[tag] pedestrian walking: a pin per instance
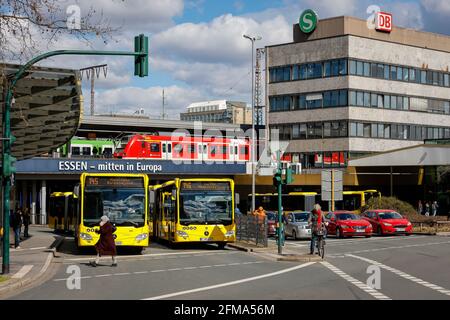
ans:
(16, 223)
(420, 207)
(315, 222)
(26, 221)
(427, 209)
(105, 245)
(434, 208)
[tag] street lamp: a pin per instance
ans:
(253, 39)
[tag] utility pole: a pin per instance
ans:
(258, 87)
(91, 73)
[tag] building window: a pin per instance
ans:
(352, 98)
(342, 67)
(359, 68)
(326, 129)
(335, 67)
(352, 67)
(366, 69)
(343, 98)
(374, 130)
(446, 80)
(303, 130)
(366, 132)
(327, 69)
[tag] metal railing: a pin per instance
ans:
(252, 229)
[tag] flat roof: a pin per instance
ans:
(346, 25)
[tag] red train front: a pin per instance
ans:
(186, 148)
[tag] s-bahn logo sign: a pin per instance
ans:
(383, 21)
(308, 21)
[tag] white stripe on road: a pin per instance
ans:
(27, 249)
(47, 262)
(166, 270)
(179, 255)
(404, 275)
(374, 293)
(226, 284)
(23, 271)
(390, 248)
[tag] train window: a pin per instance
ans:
(224, 149)
(169, 148)
(191, 148)
(154, 147)
(235, 150)
(244, 150)
(75, 151)
(164, 148)
(86, 151)
(107, 151)
(213, 150)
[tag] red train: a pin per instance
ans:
(186, 148)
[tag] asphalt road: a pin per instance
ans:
(414, 267)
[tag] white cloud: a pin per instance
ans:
(436, 6)
(127, 100)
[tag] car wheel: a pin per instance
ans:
(380, 230)
(294, 235)
(339, 233)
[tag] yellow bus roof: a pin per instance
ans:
(61, 194)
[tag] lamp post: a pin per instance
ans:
(253, 39)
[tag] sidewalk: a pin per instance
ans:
(29, 263)
(271, 252)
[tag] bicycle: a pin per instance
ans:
(320, 244)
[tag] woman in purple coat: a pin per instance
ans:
(105, 245)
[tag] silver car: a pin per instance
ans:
(296, 225)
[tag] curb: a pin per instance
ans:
(424, 233)
(22, 283)
(300, 258)
(238, 247)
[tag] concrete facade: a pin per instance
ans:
(349, 38)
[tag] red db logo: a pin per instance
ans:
(383, 21)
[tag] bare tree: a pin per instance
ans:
(26, 25)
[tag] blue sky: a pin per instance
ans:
(197, 51)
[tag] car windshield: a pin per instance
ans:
(271, 216)
(389, 215)
(347, 216)
(205, 207)
(301, 216)
(123, 206)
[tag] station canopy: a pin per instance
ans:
(46, 110)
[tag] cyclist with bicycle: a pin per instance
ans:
(315, 221)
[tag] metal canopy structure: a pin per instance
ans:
(46, 110)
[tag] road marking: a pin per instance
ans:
(27, 249)
(167, 255)
(390, 248)
(168, 270)
(47, 262)
(226, 284)
(404, 275)
(374, 293)
(23, 271)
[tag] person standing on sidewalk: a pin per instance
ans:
(434, 208)
(106, 244)
(427, 209)
(420, 208)
(26, 222)
(16, 223)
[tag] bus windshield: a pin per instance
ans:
(123, 206)
(205, 207)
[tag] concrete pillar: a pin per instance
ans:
(33, 203)
(43, 202)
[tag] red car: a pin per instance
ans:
(388, 222)
(271, 224)
(346, 223)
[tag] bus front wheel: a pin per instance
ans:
(221, 245)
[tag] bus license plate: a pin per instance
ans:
(118, 243)
(205, 239)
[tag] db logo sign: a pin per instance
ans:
(383, 21)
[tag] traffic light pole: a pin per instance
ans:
(280, 204)
(141, 69)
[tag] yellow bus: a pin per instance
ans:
(194, 210)
(121, 197)
(292, 201)
(354, 200)
(62, 211)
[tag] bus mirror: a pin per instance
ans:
(174, 195)
(152, 197)
(236, 198)
(76, 191)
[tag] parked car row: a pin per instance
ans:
(343, 224)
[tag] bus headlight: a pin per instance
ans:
(182, 234)
(229, 233)
(141, 237)
(85, 236)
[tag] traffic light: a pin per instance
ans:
(9, 165)
(141, 61)
(277, 179)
